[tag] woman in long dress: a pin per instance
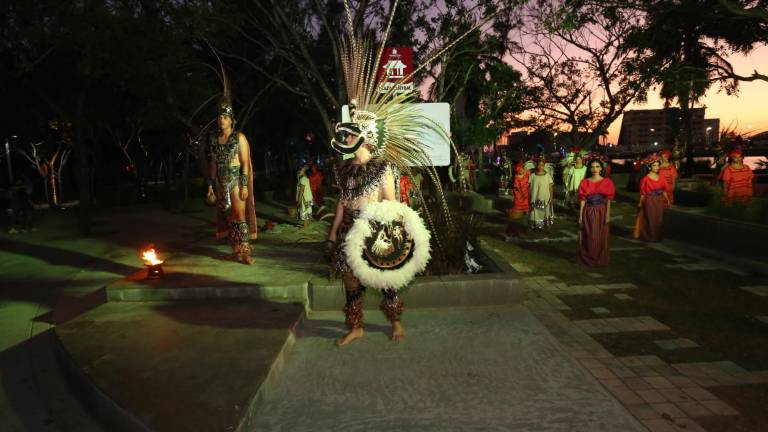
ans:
(520, 191)
(668, 170)
(540, 185)
(595, 195)
(653, 199)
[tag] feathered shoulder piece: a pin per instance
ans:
(359, 180)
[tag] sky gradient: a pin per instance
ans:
(748, 108)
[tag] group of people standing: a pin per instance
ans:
(589, 191)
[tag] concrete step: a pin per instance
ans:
(428, 292)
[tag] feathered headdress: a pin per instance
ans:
(570, 156)
(735, 152)
(650, 159)
(386, 121)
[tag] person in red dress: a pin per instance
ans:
(520, 191)
(520, 207)
(669, 171)
(316, 183)
(595, 195)
(737, 180)
(653, 199)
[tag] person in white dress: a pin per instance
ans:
(540, 194)
(304, 200)
(573, 173)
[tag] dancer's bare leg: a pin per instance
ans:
(393, 307)
(398, 332)
(353, 310)
(242, 250)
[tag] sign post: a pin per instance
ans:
(396, 63)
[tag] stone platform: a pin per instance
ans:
(186, 366)
(297, 272)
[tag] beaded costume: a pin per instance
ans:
(228, 181)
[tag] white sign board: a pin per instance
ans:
(436, 147)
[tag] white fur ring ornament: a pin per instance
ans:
(387, 246)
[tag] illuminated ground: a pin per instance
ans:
(673, 333)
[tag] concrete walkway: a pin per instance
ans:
(471, 369)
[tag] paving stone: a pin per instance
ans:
(620, 325)
(694, 409)
(666, 370)
(652, 360)
(705, 381)
(668, 409)
(600, 310)
(760, 290)
(637, 383)
(721, 371)
(674, 344)
(601, 372)
(719, 407)
(699, 393)
(612, 383)
(591, 363)
(623, 296)
(623, 372)
(675, 395)
(632, 360)
(659, 382)
(651, 396)
(626, 396)
(686, 424)
(659, 425)
(681, 381)
(594, 275)
(643, 412)
(645, 371)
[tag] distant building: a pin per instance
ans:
(656, 128)
(759, 140)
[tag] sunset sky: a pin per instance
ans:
(748, 108)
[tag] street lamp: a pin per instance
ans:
(709, 129)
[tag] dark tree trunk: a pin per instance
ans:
(185, 174)
(83, 169)
(83, 182)
(687, 135)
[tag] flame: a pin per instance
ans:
(150, 257)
